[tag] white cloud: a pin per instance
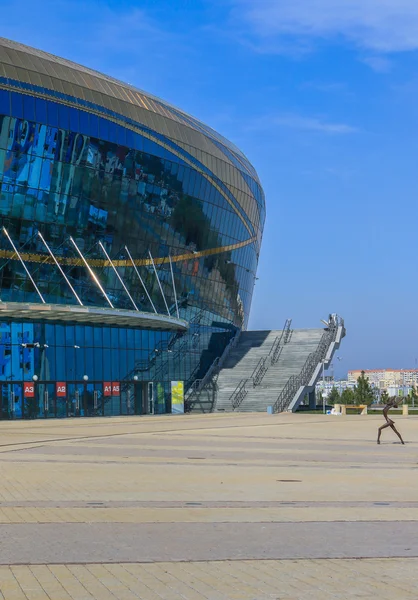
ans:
(303, 123)
(378, 25)
(380, 64)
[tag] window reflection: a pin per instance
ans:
(68, 172)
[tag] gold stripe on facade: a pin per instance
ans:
(139, 262)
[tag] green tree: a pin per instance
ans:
(334, 397)
(347, 396)
(412, 397)
(363, 391)
(384, 397)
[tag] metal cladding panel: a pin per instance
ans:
(33, 66)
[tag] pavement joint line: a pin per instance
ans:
(292, 559)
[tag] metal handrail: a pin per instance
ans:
(259, 371)
(239, 394)
(277, 347)
(296, 381)
(199, 384)
(262, 366)
(288, 331)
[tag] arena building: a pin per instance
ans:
(129, 242)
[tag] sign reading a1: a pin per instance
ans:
(111, 388)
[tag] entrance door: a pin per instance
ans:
(98, 400)
(46, 400)
(93, 400)
(138, 398)
(75, 394)
(11, 401)
(29, 406)
(112, 400)
(129, 398)
(61, 399)
(149, 398)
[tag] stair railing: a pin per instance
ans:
(259, 371)
(277, 347)
(239, 394)
(287, 331)
(308, 369)
(210, 378)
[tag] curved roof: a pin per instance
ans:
(31, 66)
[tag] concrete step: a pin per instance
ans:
(245, 357)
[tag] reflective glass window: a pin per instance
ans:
(17, 105)
(53, 114)
(4, 102)
(29, 107)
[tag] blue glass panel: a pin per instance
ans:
(29, 108)
(114, 337)
(98, 337)
(70, 335)
(89, 336)
(4, 102)
(98, 364)
(84, 122)
(60, 363)
(106, 337)
(94, 126)
(103, 129)
(112, 131)
(63, 116)
(40, 110)
(53, 114)
(74, 114)
(121, 135)
(130, 338)
(130, 138)
(17, 105)
(79, 335)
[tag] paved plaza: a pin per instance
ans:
(208, 507)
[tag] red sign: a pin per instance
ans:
(61, 389)
(29, 390)
(111, 388)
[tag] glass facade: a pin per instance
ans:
(74, 169)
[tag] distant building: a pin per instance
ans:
(325, 388)
(386, 378)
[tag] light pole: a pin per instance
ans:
(85, 378)
(323, 384)
(33, 400)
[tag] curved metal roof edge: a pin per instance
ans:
(89, 315)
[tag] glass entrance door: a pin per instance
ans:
(98, 400)
(93, 405)
(11, 401)
(131, 398)
(47, 402)
(61, 400)
(75, 394)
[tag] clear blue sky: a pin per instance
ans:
(322, 96)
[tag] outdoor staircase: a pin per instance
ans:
(242, 361)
